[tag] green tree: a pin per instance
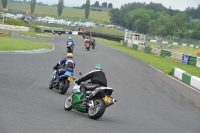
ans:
(104, 4)
(60, 7)
(96, 4)
(180, 23)
(87, 9)
(4, 3)
(138, 19)
(110, 5)
(153, 26)
(32, 5)
(116, 16)
(196, 33)
(83, 6)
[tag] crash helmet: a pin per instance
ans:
(98, 67)
(69, 55)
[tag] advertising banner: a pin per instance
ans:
(185, 59)
(198, 62)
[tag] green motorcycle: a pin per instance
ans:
(96, 104)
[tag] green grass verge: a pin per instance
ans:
(53, 26)
(46, 36)
(186, 50)
(68, 13)
(8, 43)
(161, 63)
(183, 49)
(110, 31)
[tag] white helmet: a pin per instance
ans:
(70, 37)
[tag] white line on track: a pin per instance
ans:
(155, 68)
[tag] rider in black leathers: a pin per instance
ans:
(98, 79)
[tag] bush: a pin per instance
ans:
(19, 23)
(37, 29)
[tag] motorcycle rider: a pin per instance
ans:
(53, 33)
(87, 40)
(98, 79)
(70, 42)
(68, 64)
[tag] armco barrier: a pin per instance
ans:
(156, 51)
(148, 50)
(141, 48)
(176, 56)
(186, 77)
(135, 46)
(94, 34)
(165, 54)
(105, 36)
(56, 31)
(192, 61)
(125, 43)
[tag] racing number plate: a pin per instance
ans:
(107, 99)
(70, 79)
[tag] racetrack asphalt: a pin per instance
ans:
(148, 101)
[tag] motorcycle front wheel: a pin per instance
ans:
(68, 103)
(64, 87)
(98, 110)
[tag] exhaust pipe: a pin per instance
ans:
(113, 102)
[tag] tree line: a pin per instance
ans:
(155, 19)
(33, 3)
(97, 4)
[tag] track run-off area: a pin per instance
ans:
(148, 101)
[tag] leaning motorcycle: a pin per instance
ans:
(93, 43)
(96, 104)
(65, 78)
(87, 46)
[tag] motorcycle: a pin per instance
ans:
(69, 50)
(65, 77)
(87, 45)
(69, 47)
(93, 43)
(96, 104)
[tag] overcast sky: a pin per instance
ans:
(175, 4)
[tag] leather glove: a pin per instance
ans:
(76, 81)
(54, 68)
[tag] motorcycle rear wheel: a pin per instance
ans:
(50, 85)
(98, 110)
(68, 103)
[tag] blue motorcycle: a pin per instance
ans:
(65, 77)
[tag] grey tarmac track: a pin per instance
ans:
(148, 100)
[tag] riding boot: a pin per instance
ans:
(83, 96)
